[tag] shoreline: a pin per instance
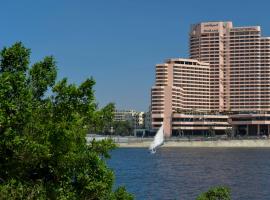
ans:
(263, 143)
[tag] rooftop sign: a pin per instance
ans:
(210, 27)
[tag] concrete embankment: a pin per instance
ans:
(264, 143)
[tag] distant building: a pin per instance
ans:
(147, 120)
(138, 120)
(134, 117)
(124, 115)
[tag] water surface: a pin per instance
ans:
(183, 173)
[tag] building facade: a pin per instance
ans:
(138, 120)
(207, 45)
(239, 59)
(228, 72)
(135, 118)
(124, 115)
(182, 85)
(251, 124)
(148, 120)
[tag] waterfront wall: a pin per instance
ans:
(219, 143)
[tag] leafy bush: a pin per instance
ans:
(216, 193)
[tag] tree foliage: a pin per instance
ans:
(43, 124)
(103, 120)
(216, 193)
(123, 128)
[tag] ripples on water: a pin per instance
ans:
(183, 173)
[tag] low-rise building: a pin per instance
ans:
(147, 120)
(138, 120)
(124, 115)
(134, 117)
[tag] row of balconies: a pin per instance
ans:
(247, 76)
(243, 37)
(245, 45)
(202, 66)
(157, 108)
(236, 40)
(203, 73)
(246, 84)
(191, 79)
(157, 97)
(195, 70)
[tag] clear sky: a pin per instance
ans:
(118, 42)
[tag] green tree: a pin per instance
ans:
(43, 150)
(123, 128)
(216, 193)
(108, 117)
(102, 120)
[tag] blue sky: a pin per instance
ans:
(117, 42)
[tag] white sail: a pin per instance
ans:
(158, 140)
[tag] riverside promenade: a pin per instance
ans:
(137, 142)
(218, 143)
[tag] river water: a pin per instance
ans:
(183, 173)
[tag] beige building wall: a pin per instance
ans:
(124, 115)
(207, 45)
(181, 84)
(245, 69)
(228, 70)
(239, 65)
(134, 117)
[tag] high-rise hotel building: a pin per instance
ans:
(239, 59)
(181, 91)
(228, 71)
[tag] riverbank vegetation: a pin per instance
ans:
(216, 193)
(43, 124)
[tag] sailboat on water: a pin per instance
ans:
(158, 140)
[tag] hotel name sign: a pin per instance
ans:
(210, 27)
